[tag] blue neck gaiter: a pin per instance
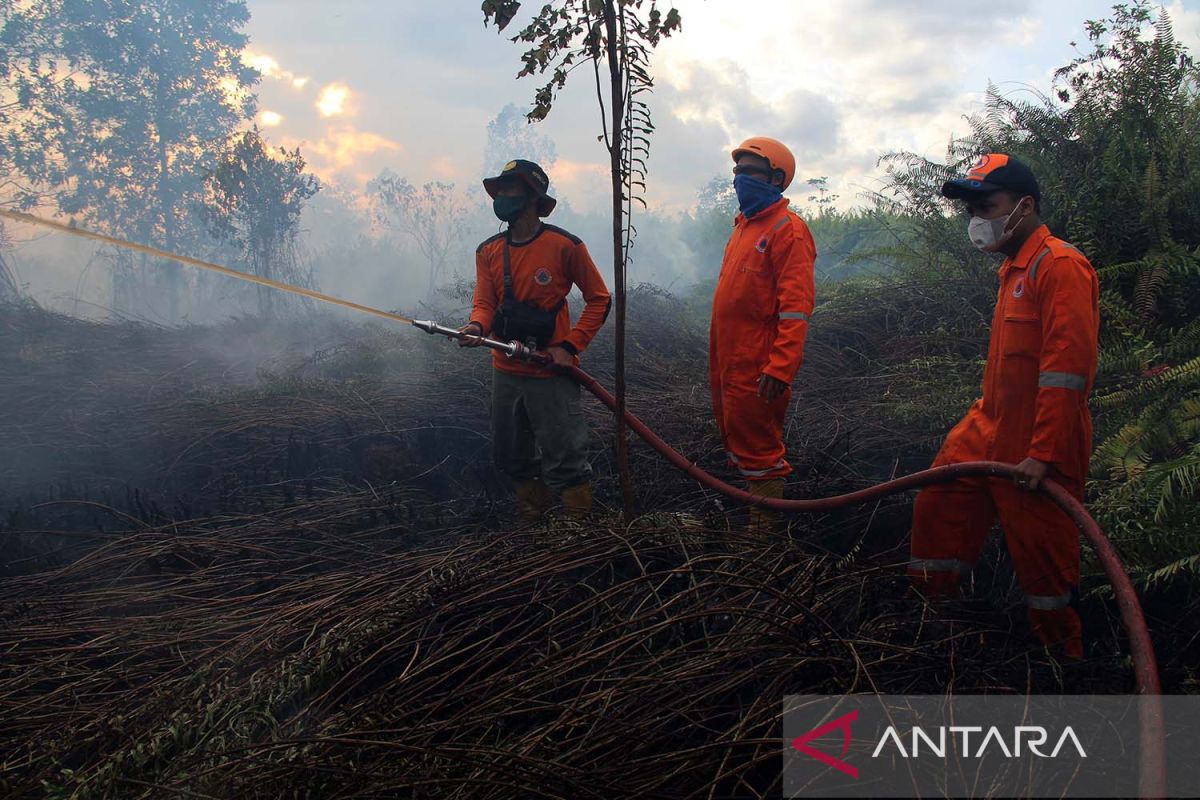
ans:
(754, 195)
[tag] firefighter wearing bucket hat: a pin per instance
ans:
(523, 276)
(1033, 413)
(760, 316)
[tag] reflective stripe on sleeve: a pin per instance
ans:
(1063, 380)
(793, 315)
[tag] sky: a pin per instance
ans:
(411, 85)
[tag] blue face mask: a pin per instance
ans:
(754, 195)
(509, 209)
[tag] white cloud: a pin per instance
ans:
(1186, 22)
(269, 119)
(840, 83)
(576, 175)
(331, 102)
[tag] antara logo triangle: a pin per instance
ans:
(842, 723)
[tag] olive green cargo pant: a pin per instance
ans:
(538, 429)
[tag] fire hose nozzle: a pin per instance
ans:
(429, 326)
(509, 349)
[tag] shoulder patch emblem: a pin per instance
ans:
(542, 276)
(762, 245)
(1019, 289)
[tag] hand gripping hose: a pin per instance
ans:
(1152, 752)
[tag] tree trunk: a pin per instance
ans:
(9, 292)
(172, 278)
(617, 168)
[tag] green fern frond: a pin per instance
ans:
(1186, 567)
(1186, 375)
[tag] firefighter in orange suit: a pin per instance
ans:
(1033, 413)
(760, 315)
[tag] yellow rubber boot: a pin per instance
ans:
(577, 500)
(764, 519)
(533, 499)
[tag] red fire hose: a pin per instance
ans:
(1152, 754)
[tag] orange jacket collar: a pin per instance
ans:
(1033, 245)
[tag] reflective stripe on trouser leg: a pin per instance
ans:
(772, 471)
(1044, 545)
(938, 565)
(1039, 602)
(950, 524)
(752, 429)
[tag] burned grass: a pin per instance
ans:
(289, 571)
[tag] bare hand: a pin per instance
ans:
(1030, 473)
(560, 357)
(473, 333)
(770, 388)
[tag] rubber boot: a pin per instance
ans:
(764, 519)
(533, 499)
(577, 500)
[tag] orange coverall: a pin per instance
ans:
(1040, 368)
(760, 315)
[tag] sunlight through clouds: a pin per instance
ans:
(269, 119)
(331, 102)
(344, 151)
(269, 67)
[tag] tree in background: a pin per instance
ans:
(511, 136)
(31, 89)
(562, 36)
(712, 221)
(254, 201)
(10, 292)
(431, 216)
(134, 101)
